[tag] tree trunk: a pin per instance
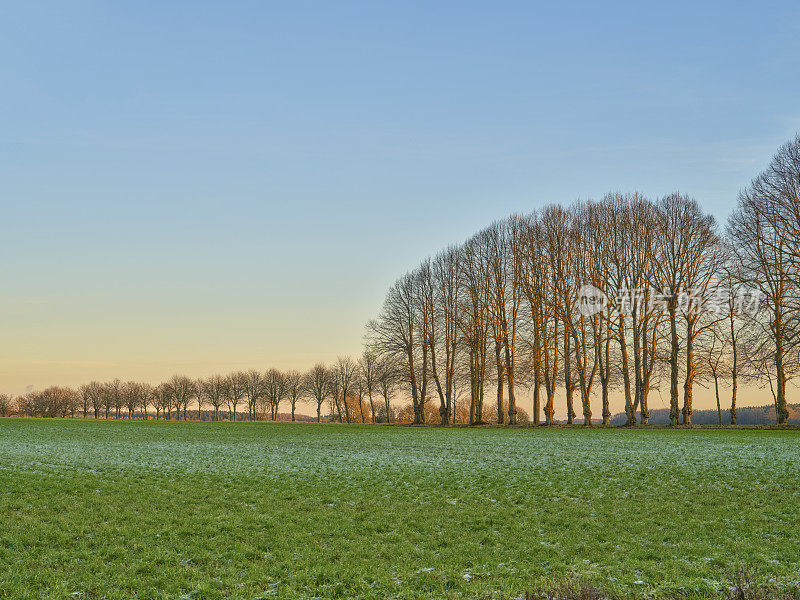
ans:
(605, 372)
(413, 380)
(499, 363)
(645, 412)
(537, 369)
(688, 384)
(509, 369)
(781, 412)
(673, 366)
(346, 407)
(473, 386)
(647, 370)
(606, 409)
(734, 370)
(568, 378)
(626, 376)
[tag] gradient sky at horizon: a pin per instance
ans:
(199, 187)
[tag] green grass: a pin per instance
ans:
(200, 510)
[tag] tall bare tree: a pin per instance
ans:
(181, 391)
(344, 373)
(255, 388)
(368, 367)
(764, 255)
(473, 321)
(294, 388)
(275, 391)
(387, 379)
(394, 334)
(131, 391)
(199, 396)
(214, 392)
(114, 397)
(147, 399)
(316, 383)
(235, 391)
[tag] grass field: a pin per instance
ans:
(199, 510)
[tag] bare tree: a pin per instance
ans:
(198, 394)
(275, 391)
(255, 387)
(294, 388)
(394, 334)
(557, 233)
(165, 397)
(540, 289)
(763, 253)
(703, 270)
(778, 189)
(357, 395)
(344, 374)
(473, 321)
(446, 281)
(368, 365)
(146, 399)
(214, 392)
(181, 392)
(316, 383)
(334, 391)
(96, 396)
(736, 323)
(86, 398)
(113, 397)
(131, 392)
(387, 379)
(437, 289)
(712, 358)
(583, 324)
(235, 391)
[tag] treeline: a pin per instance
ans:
(349, 391)
(625, 294)
(354, 391)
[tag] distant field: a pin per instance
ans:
(200, 510)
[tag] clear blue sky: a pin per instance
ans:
(195, 186)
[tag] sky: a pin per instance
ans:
(199, 187)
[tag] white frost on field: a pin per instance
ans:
(528, 471)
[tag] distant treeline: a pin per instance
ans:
(352, 391)
(748, 415)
